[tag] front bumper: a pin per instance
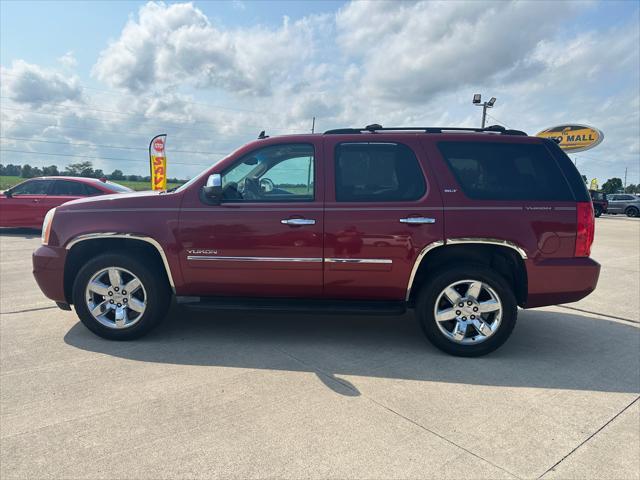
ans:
(561, 280)
(48, 270)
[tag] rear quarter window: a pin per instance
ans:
(377, 172)
(506, 171)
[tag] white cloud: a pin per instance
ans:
(68, 60)
(168, 45)
(31, 84)
(395, 63)
(414, 51)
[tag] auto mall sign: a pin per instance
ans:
(574, 138)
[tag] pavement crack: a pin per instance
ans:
(28, 310)
(351, 387)
(600, 314)
(441, 436)
(590, 437)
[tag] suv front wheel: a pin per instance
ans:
(467, 311)
(120, 297)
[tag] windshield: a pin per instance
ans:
(196, 178)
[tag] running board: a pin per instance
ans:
(360, 307)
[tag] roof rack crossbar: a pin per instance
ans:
(378, 128)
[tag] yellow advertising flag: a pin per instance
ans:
(158, 162)
(594, 184)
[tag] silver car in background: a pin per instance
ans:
(624, 203)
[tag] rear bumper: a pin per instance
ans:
(562, 280)
(48, 270)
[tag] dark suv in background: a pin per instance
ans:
(600, 202)
(462, 225)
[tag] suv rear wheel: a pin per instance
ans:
(631, 212)
(467, 311)
(120, 297)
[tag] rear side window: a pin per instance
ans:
(92, 190)
(503, 171)
(68, 188)
(377, 172)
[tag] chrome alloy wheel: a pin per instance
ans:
(116, 298)
(468, 312)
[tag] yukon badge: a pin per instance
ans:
(199, 251)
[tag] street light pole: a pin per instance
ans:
(477, 100)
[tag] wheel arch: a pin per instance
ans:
(83, 247)
(504, 256)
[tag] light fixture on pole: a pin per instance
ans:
(477, 100)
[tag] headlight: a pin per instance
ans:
(46, 226)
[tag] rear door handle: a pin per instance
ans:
(417, 220)
(297, 222)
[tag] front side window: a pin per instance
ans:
(377, 172)
(503, 171)
(33, 187)
(278, 173)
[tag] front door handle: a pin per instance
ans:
(417, 220)
(297, 222)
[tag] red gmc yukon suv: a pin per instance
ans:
(463, 225)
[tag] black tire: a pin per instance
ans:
(442, 279)
(153, 278)
(597, 211)
(631, 212)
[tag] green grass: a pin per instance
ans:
(138, 186)
(8, 182)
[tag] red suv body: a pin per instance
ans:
(462, 226)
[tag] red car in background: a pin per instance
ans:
(26, 204)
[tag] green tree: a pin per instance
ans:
(631, 188)
(81, 169)
(26, 171)
(50, 171)
(12, 170)
(612, 185)
(116, 175)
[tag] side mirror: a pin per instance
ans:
(213, 188)
(8, 194)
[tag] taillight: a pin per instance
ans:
(586, 225)
(46, 226)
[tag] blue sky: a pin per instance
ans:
(80, 78)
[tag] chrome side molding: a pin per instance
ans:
(359, 260)
(130, 236)
(255, 259)
(489, 241)
(417, 263)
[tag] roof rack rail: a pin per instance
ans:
(378, 128)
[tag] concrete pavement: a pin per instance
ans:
(240, 395)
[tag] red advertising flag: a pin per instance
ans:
(158, 162)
